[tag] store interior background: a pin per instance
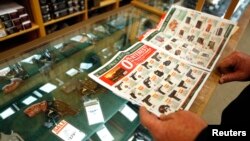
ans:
(225, 93)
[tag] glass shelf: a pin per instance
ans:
(83, 49)
(120, 127)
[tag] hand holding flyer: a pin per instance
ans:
(165, 71)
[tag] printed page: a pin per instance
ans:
(152, 78)
(191, 35)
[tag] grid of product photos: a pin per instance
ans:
(166, 69)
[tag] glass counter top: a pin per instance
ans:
(56, 70)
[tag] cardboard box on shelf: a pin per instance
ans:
(2, 32)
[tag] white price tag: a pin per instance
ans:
(48, 87)
(77, 38)
(94, 112)
(58, 46)
(104, 134)
(129, 113)
(29, 100)
(85, 66)
(67, 132)
(6, 113)
(4, 71)
(72, 72)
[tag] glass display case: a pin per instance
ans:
(48, 82)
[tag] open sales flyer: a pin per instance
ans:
(196, 37)
(152, 78)
(166, 69)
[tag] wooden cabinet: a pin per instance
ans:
(39, 27)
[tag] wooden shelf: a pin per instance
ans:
(40, 26)
(34, 27)
(103, 4)
(63, 18)
(147, 7)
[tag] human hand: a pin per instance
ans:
(235, 67)
(178, 126)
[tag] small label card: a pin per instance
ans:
(85, 66)
(129, 113)
(58, 46)
(4, 71)
(77, 38)
(67, 132)
(48, 87)
(104, 134)
(72, 72)
(94, 111)
(6, 113)
(29, 100)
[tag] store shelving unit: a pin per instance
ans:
(39, 26)
(34, 27)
